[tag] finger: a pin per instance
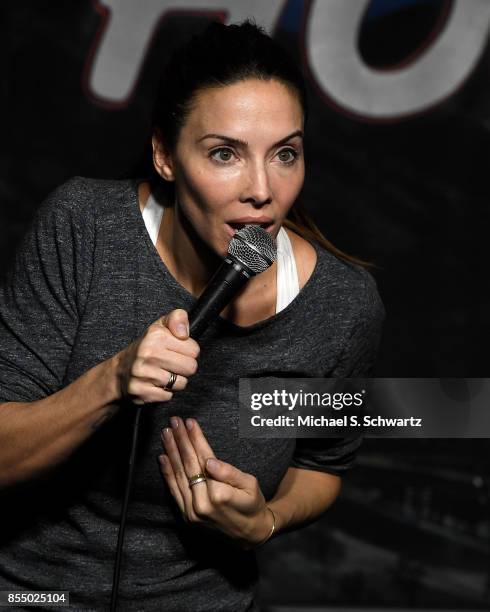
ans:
(185, 347)
(199, 442)
(195, 497)
(168, 361)
(224, 472)
(192, 466)
(177, 322)
(218, 492)
(168, 473)
(229, 474)
(142, 392)
(159, 377)
(190, 459)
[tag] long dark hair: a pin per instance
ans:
(222, 55)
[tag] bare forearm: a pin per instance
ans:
(36, 436)
(302, 496)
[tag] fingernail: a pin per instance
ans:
(167, 433)
(182, 329)
(162, 459)
(211, 464)
(189, 424)
(175, 422)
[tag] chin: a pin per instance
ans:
(219, 247)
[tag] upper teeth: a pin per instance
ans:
(240, 225)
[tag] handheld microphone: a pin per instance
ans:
(251, 251)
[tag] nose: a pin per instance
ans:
(257, 189)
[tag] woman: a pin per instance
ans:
(83, 339)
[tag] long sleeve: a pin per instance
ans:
(43, 295)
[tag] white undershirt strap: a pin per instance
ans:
(287, 274)
(152, 216)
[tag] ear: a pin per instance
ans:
(162, 160)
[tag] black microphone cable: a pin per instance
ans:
(124, 511)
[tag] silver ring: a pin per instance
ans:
(171, 382)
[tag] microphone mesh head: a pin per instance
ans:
(254, 247)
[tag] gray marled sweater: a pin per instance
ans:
(86, 281)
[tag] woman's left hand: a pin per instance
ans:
(229, 500)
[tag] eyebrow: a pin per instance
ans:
(244, 143)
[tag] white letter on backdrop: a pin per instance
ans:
(131, 25)
(331, 48)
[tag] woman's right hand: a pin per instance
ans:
(144, 367)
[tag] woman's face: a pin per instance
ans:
(238, 159)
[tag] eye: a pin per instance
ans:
(222, 155)
(287, 156)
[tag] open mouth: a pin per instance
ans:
(238, 226)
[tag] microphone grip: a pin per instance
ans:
(221, 289)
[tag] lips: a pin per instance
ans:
(236, 224)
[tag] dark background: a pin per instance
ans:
(412, 527)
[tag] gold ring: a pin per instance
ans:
(193, 480)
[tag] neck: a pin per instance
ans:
(188, 259)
